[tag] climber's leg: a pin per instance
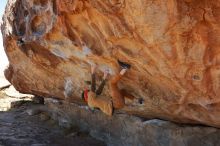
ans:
(101, 87)
(116, 94)
(117, 97)
(93, 86)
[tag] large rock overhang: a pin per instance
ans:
(173, 47)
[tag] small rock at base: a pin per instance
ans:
(32, 112)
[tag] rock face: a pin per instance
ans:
(125, 130)
(172, 45)
(19, 129)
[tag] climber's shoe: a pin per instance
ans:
(124, 65)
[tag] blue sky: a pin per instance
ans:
(3, 58)
(2, 6)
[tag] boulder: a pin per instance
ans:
(3, 83)
(173, 47)
(125, 130)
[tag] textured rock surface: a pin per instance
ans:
(172, 45)
(124, 130)
(19, 129)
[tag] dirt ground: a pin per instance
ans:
(17, 128)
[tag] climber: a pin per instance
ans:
(93, 97)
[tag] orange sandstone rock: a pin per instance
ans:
(172, 45)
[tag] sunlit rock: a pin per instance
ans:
(172, 45)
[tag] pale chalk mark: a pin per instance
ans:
(104, 68)
(59, 53)
(68, 87)
(86, 50)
